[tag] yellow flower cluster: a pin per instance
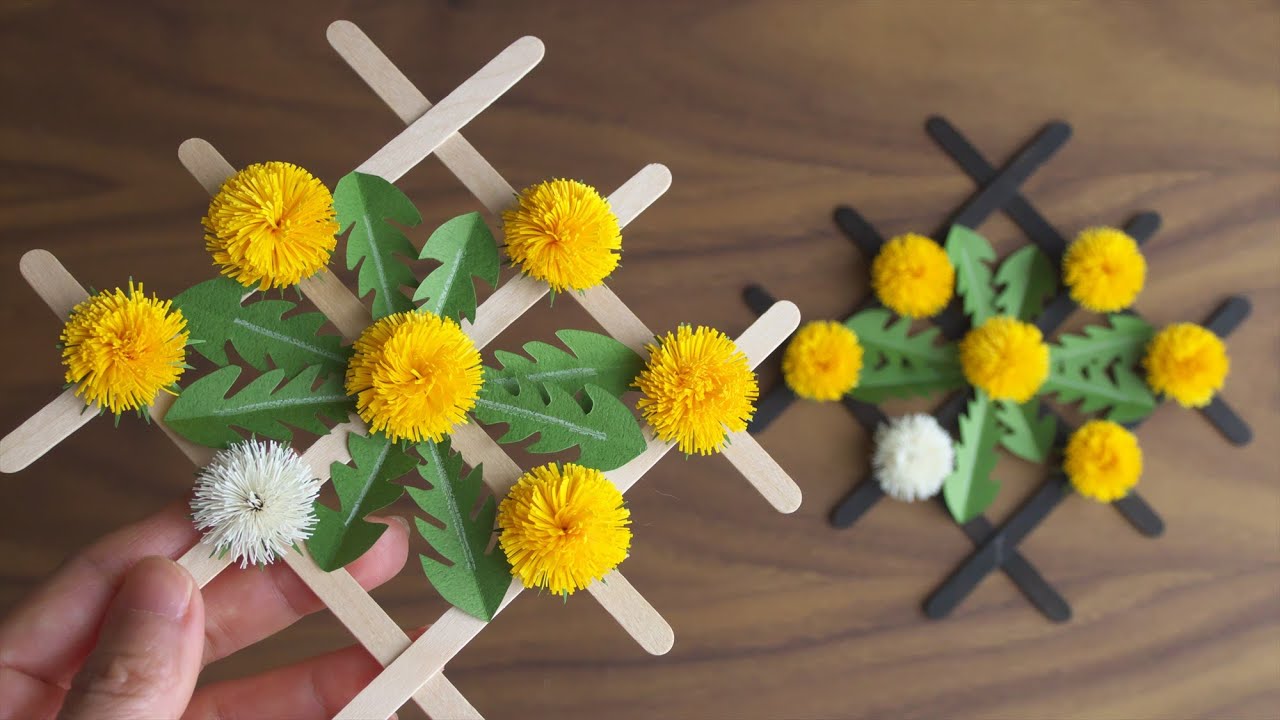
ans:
(1104, 270)
(1006, 358)
(913, 276)
(697, 389)
(1102, 460)
(563, 233)
(120, 349)
(414, 375)
(563, 527)
(822, 362)
(271, 225)
(1187, 363)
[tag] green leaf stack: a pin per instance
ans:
(465, 248)
(595, 360)
(897, 364)
(365, 204)
(1026, 280)
(1024, 432)
(971, 255)
(365, 486)
(474, 582)
(969, 489)
(1099, 369)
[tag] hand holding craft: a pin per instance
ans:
(123, 631)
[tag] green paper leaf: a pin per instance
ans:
(607, 434)
(896, 364)
(969, 489)
(205, 415)
(1099, 369)
(475, 582)
(1023, 432)
(365, 486)
(1026, 280)
(258, 331)
(465, 248)
(971, 255)
(596, 360)
(365, 204)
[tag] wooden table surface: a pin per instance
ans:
(769, 115)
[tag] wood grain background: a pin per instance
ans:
(769, 114)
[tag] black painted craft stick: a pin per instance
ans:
(758, 299)
(857, 503)
(1140, 515)
(982, 173)
(1023, 574)
(1232, 426)
(865, 413)
(996, 193)
(770, 406)
(1142, 226)
(862, 233)
(997, 548)
(1233, 311)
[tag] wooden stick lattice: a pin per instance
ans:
(413, 669)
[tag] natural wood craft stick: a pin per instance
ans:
(199, 455)
(323, 289)
(494, 192)
(41, 432)
(51, 281)
(456, 110)
(633, 613)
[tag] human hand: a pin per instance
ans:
(122, 631)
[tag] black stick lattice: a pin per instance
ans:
(997, 548)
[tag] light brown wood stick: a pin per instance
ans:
(323, 289)
(457, 109)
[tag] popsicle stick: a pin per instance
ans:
(1227, 317)
(770, 406)
(503, 307)
(385, 79)
(633, 613)
(457, 109)
(763, 472)
(999, 189)
(41, 432)
(323, 289)
(856, 504)
(199, 455)
(204, 563)
(414, 667)
(1023, 574)
(1227, 421)
(51, 281)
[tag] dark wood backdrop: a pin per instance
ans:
(769, 114)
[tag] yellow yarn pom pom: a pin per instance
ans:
(1187, 363)
(563, 528)
(1102, 460)
(414, 375)
(563, 233)
(1104, 269)
(271, 225)
(1006, 358)
(121, 349)
(697, 389)
(822, 361)
(913, 276)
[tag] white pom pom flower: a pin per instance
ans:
(913, 457)
(255, 501)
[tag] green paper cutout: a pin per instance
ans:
(476, 582)
(1026, 280)
(466, 249)
(1023, 432)
(205, 415)
(365, 204)
(365, 486)
(593, 359)
(607, 434)
(896, 364)
(969, 489)
(258, 331)
(1099, 369)
(971, 255)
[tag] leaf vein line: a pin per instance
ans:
(443, 485)
(448, 281)
(368, 483)
(273, 404)
(281, 337)
(531, 415)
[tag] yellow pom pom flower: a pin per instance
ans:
(1102, 460)
(913, 276)
(122, 348)
(697, 389)
(271, 225)
(563, 233)
(1006, 358)
(1104, 270)
(822, 361)
(563, 528)
(1187, 363)
(415, 376)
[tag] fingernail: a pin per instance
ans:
(159, 586)
(404, 523)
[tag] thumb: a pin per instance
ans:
(149, 648)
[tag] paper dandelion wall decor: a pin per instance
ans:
(397, 396)
(994, 352)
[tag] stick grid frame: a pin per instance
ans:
(413, 668)
(996, 548)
